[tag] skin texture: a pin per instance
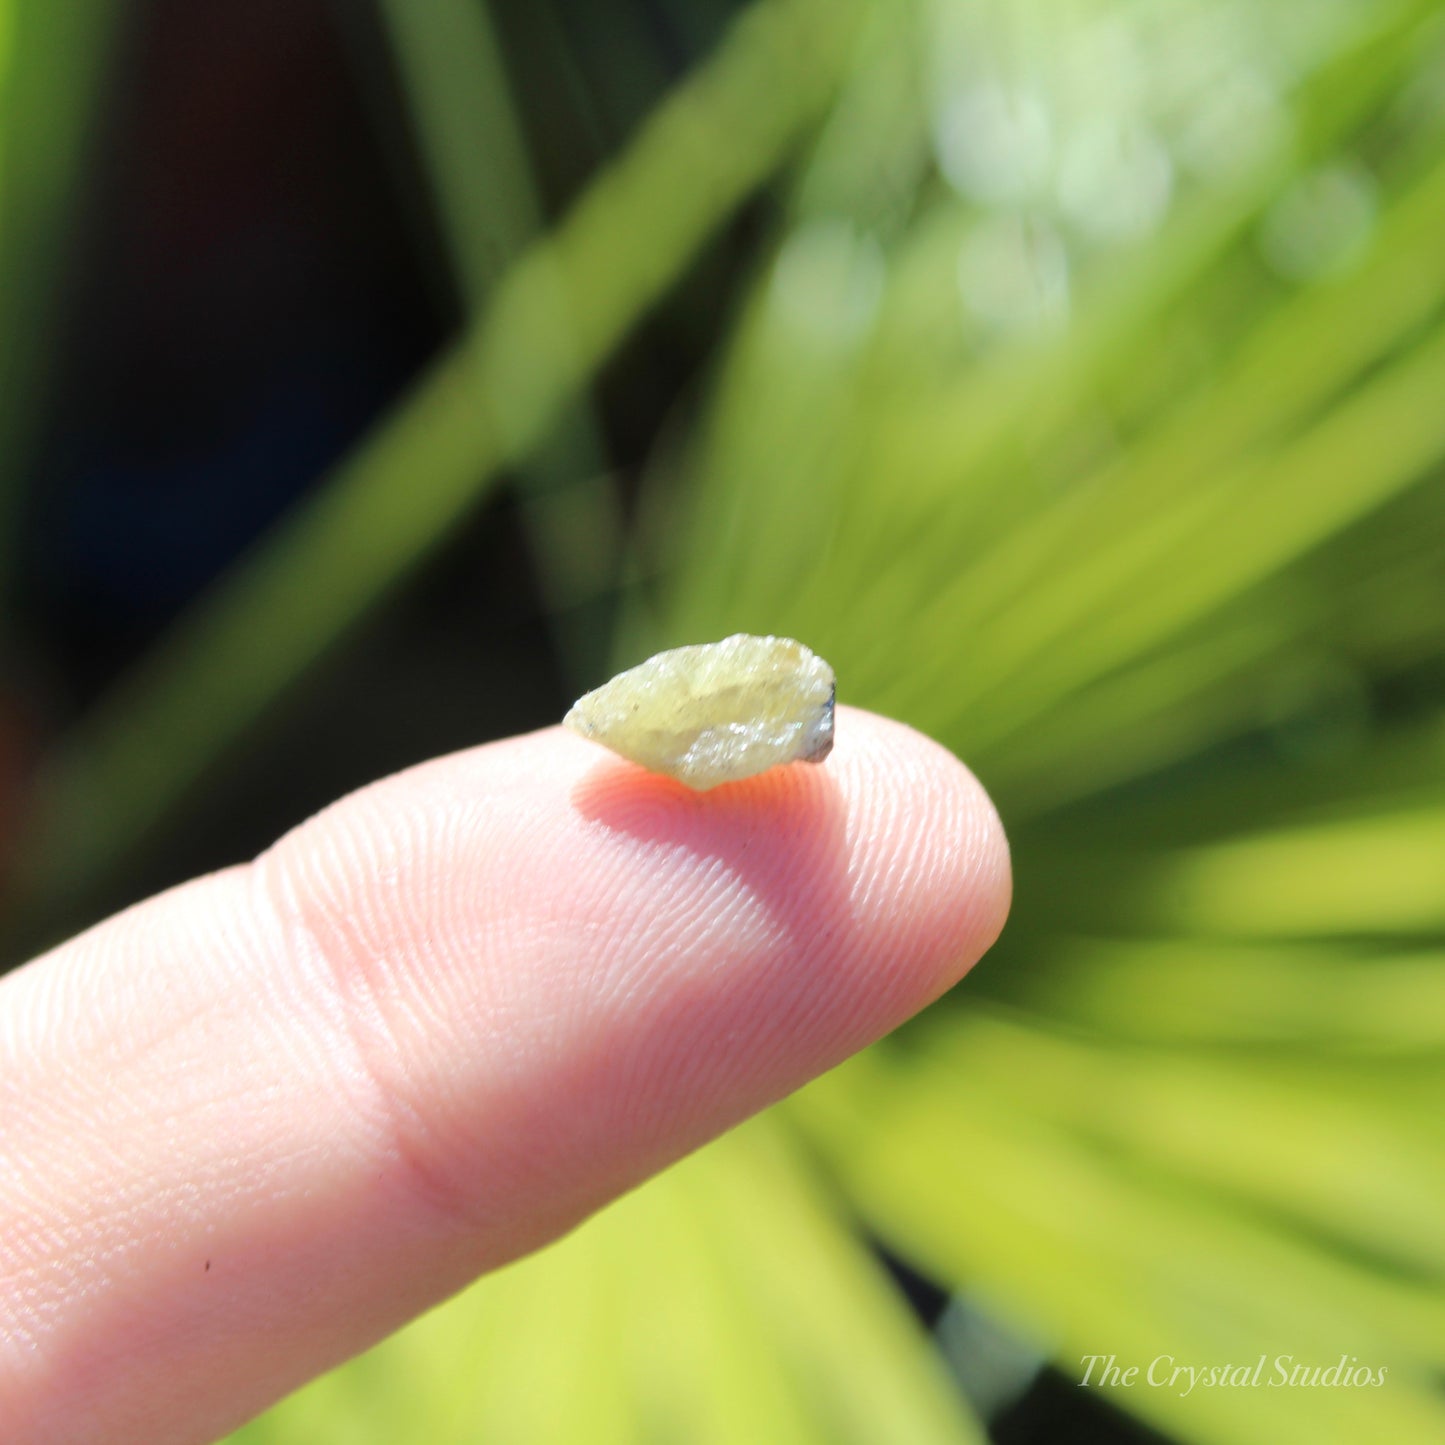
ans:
(252, 1125)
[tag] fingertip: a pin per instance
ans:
(628, 965)
(929, 880)
(444, 1020)
(845, 896)
(929, 835)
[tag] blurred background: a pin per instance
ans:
(376, 376)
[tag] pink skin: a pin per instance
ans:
(250, 1126)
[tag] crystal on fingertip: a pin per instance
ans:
(717, 712)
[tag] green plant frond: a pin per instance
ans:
(53, 60)
(1300, 355)
(1174, 704)
(1373, 770)
(1373, 875)
(472, 138)
(996, 599)
(724, 1301)
(1321, 1142)
(956, 1171)
(455, 82)
(955, 440)
(1216, 543)
(1196, 991)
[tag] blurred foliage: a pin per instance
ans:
(51, 59)
(1086, 412)
(487, 404)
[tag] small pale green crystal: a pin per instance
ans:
(715, 713)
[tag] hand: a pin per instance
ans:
(252, 1125)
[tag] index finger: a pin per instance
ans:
(259, 1121)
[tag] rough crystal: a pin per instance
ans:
(717, 712)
